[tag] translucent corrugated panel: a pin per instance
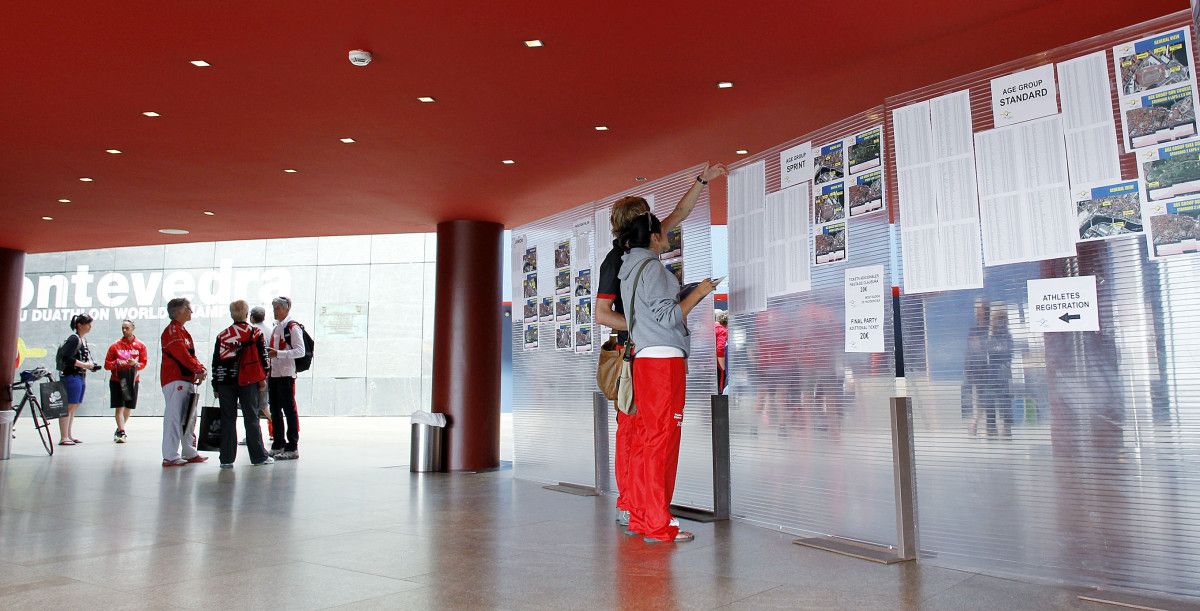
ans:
(553, 434)
(809, 426)
(1072, 456)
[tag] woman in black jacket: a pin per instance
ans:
(74, 361)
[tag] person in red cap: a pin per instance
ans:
(180, 373)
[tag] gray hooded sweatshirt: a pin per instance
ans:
(657, 321)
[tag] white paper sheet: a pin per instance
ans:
(1026, 211)
(795, 165)
(787, 241)
(1024, 96)
(864, 302)
(939, 223)
(1092, 154)
(747, 239)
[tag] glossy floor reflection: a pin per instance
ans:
(104, 526)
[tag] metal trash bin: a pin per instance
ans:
(6, 430)
(425, 454)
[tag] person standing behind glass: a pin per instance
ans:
(287, 345)
(658, 329)
(126, 357)
(999, 359)
(179, 373)
(74, 360)
(239, 373)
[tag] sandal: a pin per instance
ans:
(66, 442)
(683, 537)
(76, 440)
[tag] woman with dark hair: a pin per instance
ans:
(74, 360)
(658, 330)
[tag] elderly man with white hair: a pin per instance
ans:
(239, 372)
(287, 345)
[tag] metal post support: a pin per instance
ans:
(905, 491)
(720, 454)
(600, 418)
(905, 475)
(721, 477)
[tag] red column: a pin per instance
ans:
(467, 343)
(12, 272)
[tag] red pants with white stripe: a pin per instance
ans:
(623, 456)
(660, 388)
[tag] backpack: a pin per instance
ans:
(64, 359)
(305, 362)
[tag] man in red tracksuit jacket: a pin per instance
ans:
(179, 373)
(239, 374)
(126, 357)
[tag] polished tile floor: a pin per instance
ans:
(101, 526)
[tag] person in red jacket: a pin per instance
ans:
(179, 374)
(239, 373)
(126, 357)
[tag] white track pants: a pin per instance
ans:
(176, 396)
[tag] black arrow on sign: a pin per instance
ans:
(1068, 317)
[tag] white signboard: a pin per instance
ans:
(864, 309)
(1060, 305)
(1025, 95)
(795, 165)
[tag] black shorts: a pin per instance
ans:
(117, 398)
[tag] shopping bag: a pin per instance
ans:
(54, 400)
(625, 388)
(208, 438)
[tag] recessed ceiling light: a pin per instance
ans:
(640, 178)
(742, 151)
(85, 179)
(113, 152)
(174, 231)
(47, 218)
(151, 113)
(508, 162)
(209, 213)
(601, 128)
(199, 63)
(64, 201)
(347, 140)
(724, 85)
(426, 99)
(291, 171)
(533, 43)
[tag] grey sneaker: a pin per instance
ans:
(267, 461)
(622, 517)
(275, 452)
(288, 455)
(226, 465)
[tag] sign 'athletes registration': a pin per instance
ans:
(1058, 305)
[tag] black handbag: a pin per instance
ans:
(208, 438)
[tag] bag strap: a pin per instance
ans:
(633, 298)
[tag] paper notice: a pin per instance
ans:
(795, 165)
(1092, 154)
(1108, 210)
(1026, 212)
(864, 309)
(747, 239)
(1024, 96)
(939, 222)
(787, 241)
(1156, 85)
(1174, 227)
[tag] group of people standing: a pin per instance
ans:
(253, 366)
(631, 280)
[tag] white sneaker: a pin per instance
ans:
(226, 465)
(622, 517)
(268, 461)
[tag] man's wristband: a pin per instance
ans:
(701, 180)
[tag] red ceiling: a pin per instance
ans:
(280, 93)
